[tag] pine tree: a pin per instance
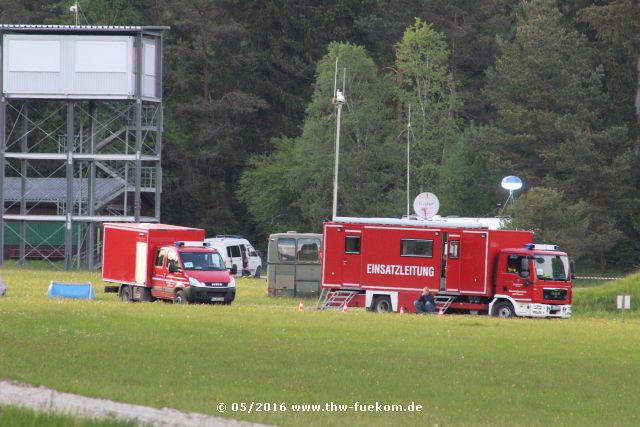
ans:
(467, 185)
(427, 84)
(550, 131)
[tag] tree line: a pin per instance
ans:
(545, 90)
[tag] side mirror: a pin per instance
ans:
(524, 268)
(172, 267)
(234, 269)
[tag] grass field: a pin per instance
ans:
(463, 370)
(23, 417)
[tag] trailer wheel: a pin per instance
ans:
(503, 309)
(179, 298)
(125, 293)
(381, 304)
(257, 273)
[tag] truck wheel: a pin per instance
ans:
(125, 294)
(179, 297)
(381, 304)
(504, 310)
(257, 273)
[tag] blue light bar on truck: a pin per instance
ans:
(532, 246)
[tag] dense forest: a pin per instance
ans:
(542, 89)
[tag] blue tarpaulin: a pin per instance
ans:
(71, 290)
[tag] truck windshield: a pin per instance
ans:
(551, 267)
(202, 261)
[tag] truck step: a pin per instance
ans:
(334, 299)
(444, 301)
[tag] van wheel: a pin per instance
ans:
(504, 310)
(381, 304)
(179, 298)
(257, 273)
(125, 294)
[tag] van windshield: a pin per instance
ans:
(202, 261)
(551, 267)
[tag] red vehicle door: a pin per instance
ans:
(173, 279)
(452, 272)
(514, 272)
(333, 243)
(159, 274)
(351, 259)
(473, 263)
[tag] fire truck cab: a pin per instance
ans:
(384, 264)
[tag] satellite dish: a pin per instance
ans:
(511, 183)
(426, 205)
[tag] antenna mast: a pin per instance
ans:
(75, 9)
(338, 101)
(408, 153)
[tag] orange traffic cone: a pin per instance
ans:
(344, 308)
(301, 306)
(401, 310)
(440, 312)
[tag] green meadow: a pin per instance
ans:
(10, 416)
(462, 369)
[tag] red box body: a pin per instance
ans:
(380, 265)
(129, 249)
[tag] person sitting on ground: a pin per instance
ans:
(426, 303)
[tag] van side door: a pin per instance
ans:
(236, 257)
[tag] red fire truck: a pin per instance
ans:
(160, 261)
(384, 264)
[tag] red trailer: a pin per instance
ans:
(159, 261)
(383, 265)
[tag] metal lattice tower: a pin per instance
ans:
(81, 120)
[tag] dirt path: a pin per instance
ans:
(43, 399)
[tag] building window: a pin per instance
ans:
(454, 248)
(416, 248)
(352, 245)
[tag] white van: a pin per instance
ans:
(237, 251)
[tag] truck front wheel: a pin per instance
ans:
(179, 297)
(381, 304)
(125, 293)
(503, 309)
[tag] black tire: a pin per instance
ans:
(179, 297)
(504, 310)
(381, 304)
(257, 273)
(125, 293)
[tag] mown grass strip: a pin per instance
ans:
(21, 417)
